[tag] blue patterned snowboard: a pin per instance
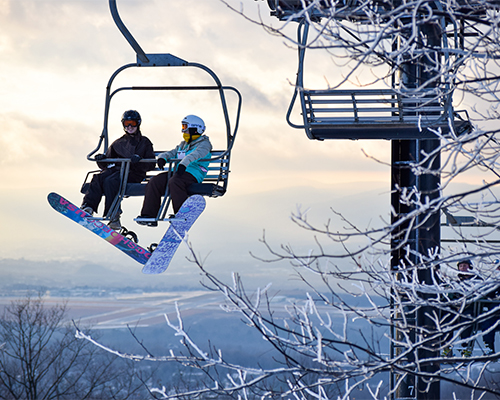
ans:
(76, 214)
(184, 219)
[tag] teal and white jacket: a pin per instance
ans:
(191, 155)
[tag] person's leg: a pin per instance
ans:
(489, 337)
(111, 185)
(95, 191)
(178, 189)
(155, 189)
(467, 316)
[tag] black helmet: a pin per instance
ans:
(132, 115)
(468, 262)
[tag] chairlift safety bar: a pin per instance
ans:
(230, 135)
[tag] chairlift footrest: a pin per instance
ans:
(146, 221)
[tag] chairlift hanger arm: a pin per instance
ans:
(302, 33)
(123, 29)
(143, 59)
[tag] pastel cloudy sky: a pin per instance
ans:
(56, 57)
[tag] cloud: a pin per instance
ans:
(55, 61)
(25, 138)
(54, 34)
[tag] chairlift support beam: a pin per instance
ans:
(413, 130)
(128, 36)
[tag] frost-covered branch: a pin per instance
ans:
(365, 313)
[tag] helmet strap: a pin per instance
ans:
(191, 135)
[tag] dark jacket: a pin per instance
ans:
(126, 147)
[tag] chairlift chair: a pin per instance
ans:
(215, 184)
(392, 113)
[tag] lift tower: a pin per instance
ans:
(414, 114)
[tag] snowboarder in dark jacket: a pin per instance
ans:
(134, 146)
(466, 274)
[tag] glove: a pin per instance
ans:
(180, 170)
(99, 157)
(135, 158)
(161, 163)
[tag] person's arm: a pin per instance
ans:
(146, 151)
(201, 151)
(111, 153)
(167, 155)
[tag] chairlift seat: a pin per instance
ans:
(374, 114)
(389, 114)
(204, 189)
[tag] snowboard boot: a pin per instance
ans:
(115, 224)
(89, 210)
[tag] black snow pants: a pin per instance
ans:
(105, 183)
(177, 187)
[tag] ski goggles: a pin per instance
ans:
(129, 122)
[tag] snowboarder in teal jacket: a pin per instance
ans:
(193, 152)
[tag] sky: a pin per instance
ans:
(56, 57)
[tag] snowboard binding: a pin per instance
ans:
(129, 234)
